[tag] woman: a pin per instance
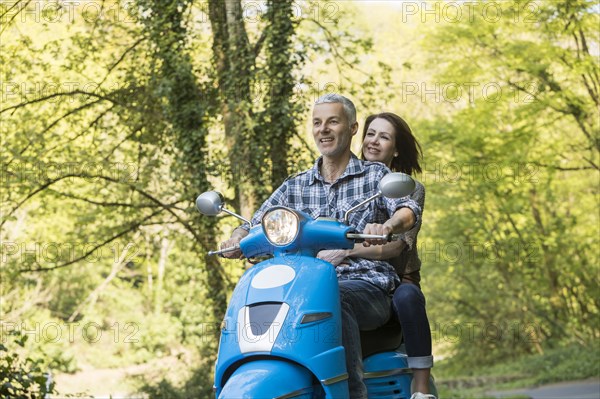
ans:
(387, 138)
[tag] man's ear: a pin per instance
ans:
(354, 128)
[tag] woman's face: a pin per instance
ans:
(380, 142)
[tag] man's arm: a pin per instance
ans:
(387, 250)
(410, 237)
(406, 215)
(401, 221)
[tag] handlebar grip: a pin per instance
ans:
(359, 236)
(224, 250)
(362, 237)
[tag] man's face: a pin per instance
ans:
(331, 129)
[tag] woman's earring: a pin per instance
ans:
(395, 154)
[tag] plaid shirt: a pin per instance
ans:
(407, 263)
(308, 192)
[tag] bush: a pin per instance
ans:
(21, 378)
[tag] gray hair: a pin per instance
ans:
(349, 108)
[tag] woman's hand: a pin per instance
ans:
(333, 256)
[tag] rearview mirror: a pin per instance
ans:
(392, 185)
(397, 185)
(210, 203)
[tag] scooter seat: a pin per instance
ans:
(386, 338)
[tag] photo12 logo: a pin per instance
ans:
(42, 253)
(454, 12)
(468, 92)
(67, 12)
(517, 332)
(252, 333)
(54, 332)
(492, 172)
(325, 12)
(72, 172)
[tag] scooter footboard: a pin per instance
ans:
(387, 376)
(269, 379)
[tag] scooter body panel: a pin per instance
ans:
(269, 378)
(286, 308)
(387, 376)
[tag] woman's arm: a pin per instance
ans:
(378, 252)
(375, 252)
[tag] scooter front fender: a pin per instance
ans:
(268, 379)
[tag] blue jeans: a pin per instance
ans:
(364, 307)
(409, 307)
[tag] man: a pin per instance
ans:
(337, 182)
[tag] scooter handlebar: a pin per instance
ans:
(352, 236)
(361, 237)
(224, 250)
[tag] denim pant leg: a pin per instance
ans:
(409, 306)
(364, 307)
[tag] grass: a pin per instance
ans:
(561, 364)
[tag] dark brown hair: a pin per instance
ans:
(408, 148)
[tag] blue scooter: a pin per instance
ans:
(281, 336)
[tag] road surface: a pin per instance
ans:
(587, 389)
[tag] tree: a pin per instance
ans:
(103, 158)
(516, 240)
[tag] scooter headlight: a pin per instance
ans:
(280, 226)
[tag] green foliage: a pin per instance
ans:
(195, 387)
(514, 188)
(108, 137)
(21, 376)
(278, 121)
(111, 127)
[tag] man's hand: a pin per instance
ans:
(376, 229)
(235, 239)
(401, 221)
(333, 256)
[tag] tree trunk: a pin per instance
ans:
(234, 63)
(187, 112)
